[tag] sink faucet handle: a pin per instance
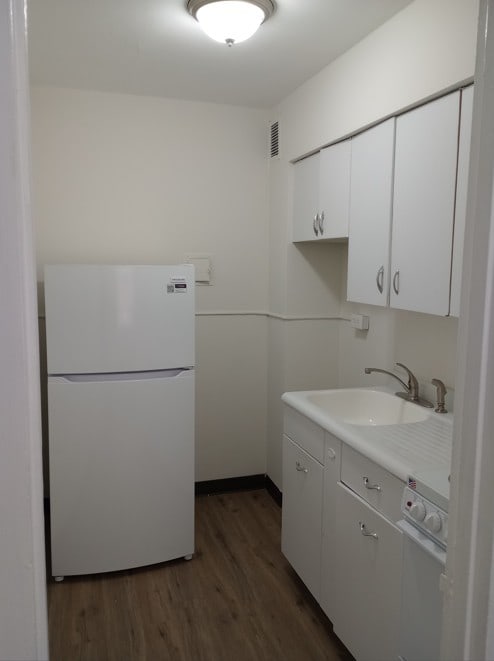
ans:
(441, 394)
(413, 385)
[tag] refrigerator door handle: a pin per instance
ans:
(121, 376)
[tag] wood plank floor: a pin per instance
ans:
(237, 600)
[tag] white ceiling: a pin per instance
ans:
(155, 48)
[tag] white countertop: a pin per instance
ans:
(418, 449)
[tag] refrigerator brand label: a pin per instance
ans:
(177, 286)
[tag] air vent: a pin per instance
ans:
(274, 140)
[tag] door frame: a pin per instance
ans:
(468, 630)
(23, 608)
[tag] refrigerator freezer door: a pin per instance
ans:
(119, 318)
(121, 472)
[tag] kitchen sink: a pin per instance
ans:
(362, 406)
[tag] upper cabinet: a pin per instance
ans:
(461, 197)
(321, 194)
(409, 178)
(371, 197)
(426, 150)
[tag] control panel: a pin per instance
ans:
(425, 515)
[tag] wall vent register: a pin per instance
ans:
(274, 139)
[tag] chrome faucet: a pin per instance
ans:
(411, 388)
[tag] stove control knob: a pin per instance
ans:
(417, 510)
(433, 522)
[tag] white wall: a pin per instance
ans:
(128, 179)
(427, 48)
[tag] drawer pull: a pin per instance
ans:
(365, 532)
(300, 468)
(380, 280)
(367, 484)
(321, 223)
(396, 282)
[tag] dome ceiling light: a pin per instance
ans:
(230, 21)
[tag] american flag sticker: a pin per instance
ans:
(412, 483)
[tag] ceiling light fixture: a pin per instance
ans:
(230, 21)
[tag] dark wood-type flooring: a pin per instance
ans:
(237, 600)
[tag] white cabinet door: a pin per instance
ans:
(423, 206)
(332, 463)
(301, 514)
(334, 190)
(371, 198)
(321, 194)
(461, 197)
(306, 199)
(367, 581)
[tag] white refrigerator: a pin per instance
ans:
(120, 359)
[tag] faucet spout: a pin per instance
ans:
(369, 370)
(411, 388)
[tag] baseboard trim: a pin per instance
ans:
(244, 483)
(273, 491)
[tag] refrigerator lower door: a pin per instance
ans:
(121, 470)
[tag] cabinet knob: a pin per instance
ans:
(368, 485)
(365, 532)
(331, 454)
(301, 468)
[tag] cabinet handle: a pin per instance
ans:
(365, 532)
(331, 454)
(396, 282)
(300, 468)
(321, 222)
(315, 223)
(380, 279)
(368, 485)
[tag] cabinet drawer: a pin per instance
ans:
(373, 483)
(304, 432)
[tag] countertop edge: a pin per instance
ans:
(354, 436)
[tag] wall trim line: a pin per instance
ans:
(269, 315)
(260, 313)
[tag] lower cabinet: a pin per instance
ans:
(338, 533)
(301, 514)
(366, 579)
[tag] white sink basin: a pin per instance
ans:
(360, 406)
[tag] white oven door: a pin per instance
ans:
(421, 611)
